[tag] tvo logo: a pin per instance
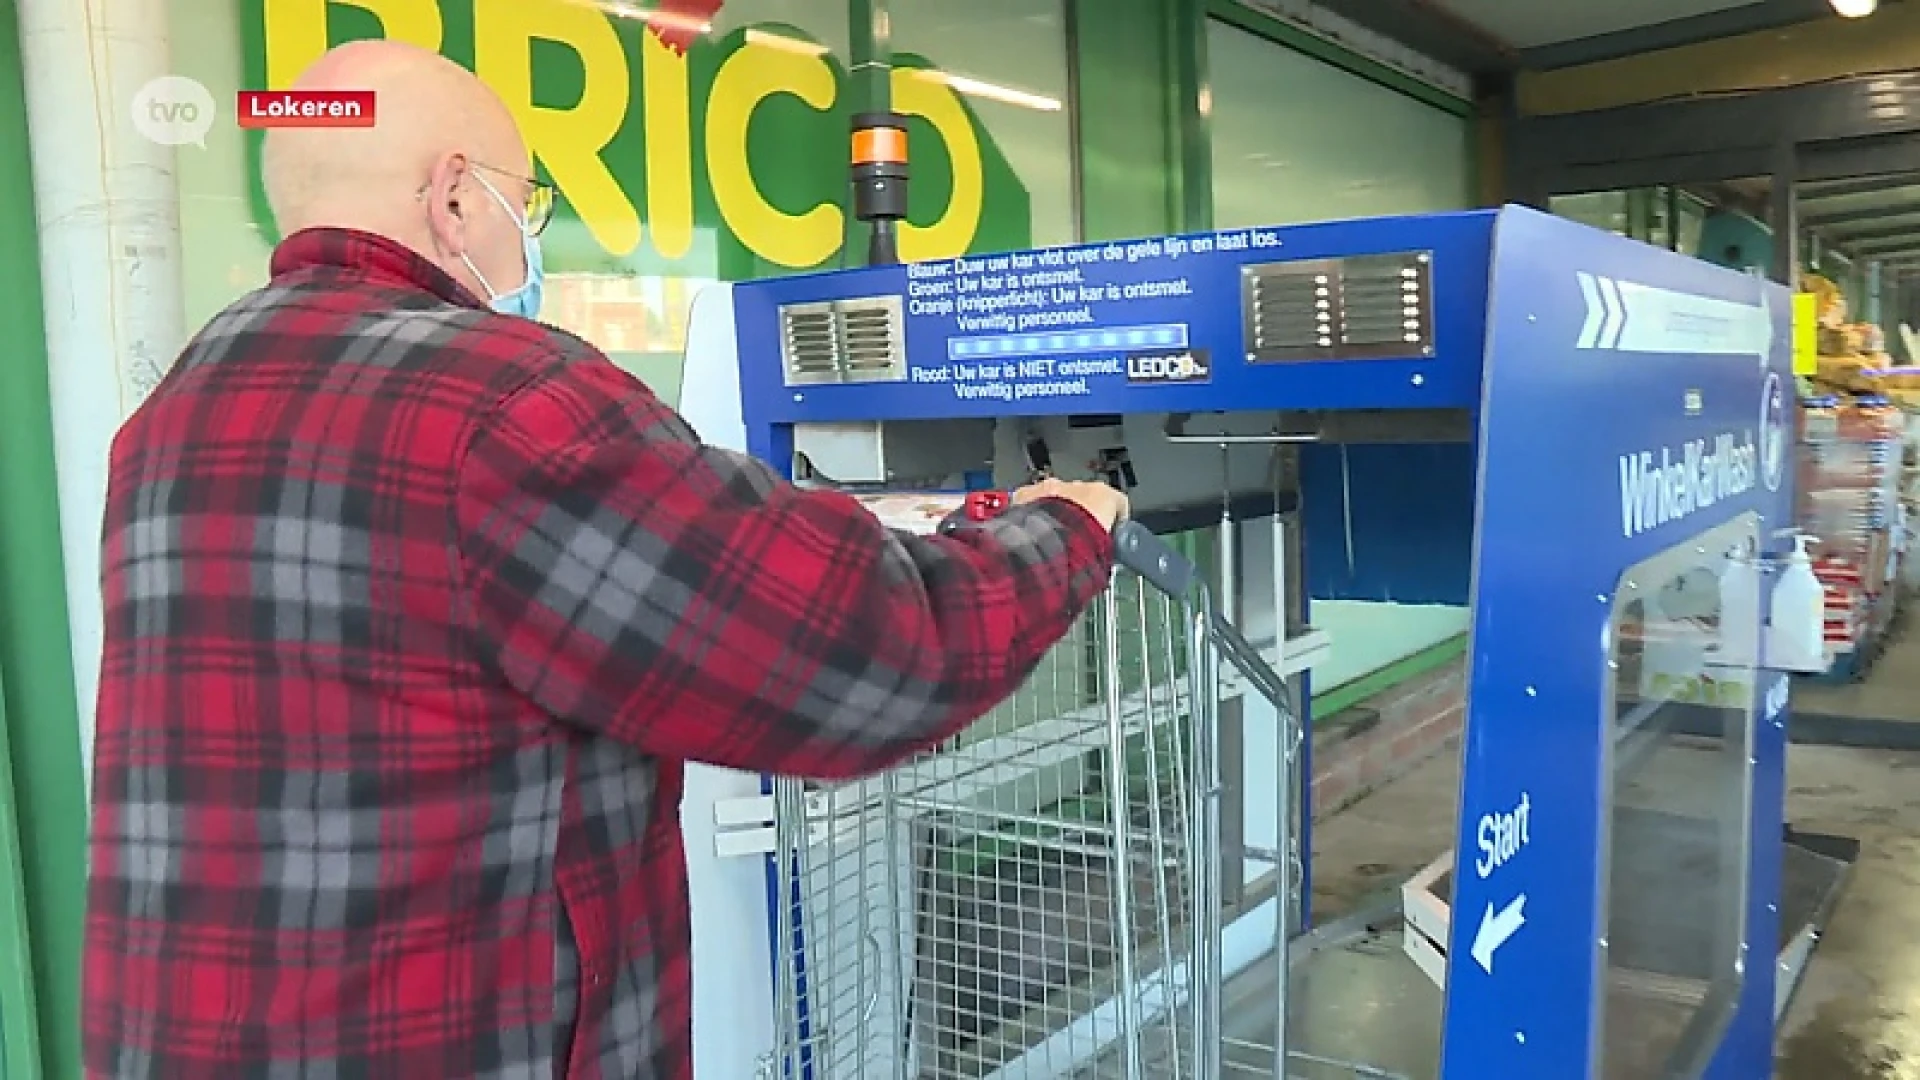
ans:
(1186, 366)
(174, 110)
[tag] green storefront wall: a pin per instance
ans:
(1138, 80)
(42, 800)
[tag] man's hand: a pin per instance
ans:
(1107, 504)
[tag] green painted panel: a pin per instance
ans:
(19, 1041)
(1129, 118)
(40, 713)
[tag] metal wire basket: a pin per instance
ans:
(1039, 897)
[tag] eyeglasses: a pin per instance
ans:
(540, 196)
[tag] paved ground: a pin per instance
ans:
(1857, 1014)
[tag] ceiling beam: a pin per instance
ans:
(1841, 220)
(1891, 155)
(1803, 54)
(1899, 230)
(1841, 189)
(1675, 33)
(1863, 127)
(1888, 247)
(1427, 28)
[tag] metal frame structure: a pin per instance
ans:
(1519, 323)
(1434, 31)
(1848, 136)
(897, 901)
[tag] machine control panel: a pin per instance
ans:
(1364, 307)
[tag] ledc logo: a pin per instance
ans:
(174, 110)
(305, 108)
(1185, 366)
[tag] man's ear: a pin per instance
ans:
(446, 188)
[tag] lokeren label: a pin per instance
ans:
(305, 108)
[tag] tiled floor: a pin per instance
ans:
(1857, 1015)
(1891, 690)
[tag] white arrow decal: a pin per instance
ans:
(1589, 330)
(1626, 316)
(1616, 313)
(1495, 929)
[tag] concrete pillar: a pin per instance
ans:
(109, 218)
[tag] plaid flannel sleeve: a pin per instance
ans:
(688, 601)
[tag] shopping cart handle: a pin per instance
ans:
(1139, 550)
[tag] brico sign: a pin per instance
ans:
(651, 113)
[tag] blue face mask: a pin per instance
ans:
(525, 300)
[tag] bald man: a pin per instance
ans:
(414, 608)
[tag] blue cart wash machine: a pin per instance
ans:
(1582, 438)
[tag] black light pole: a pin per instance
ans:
(880, 181)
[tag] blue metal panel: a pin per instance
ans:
(1591, 349)
(1582, 373)
(1203, 288)
(1391, 523)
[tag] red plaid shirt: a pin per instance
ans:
(413, 612)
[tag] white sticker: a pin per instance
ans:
(1502, 835)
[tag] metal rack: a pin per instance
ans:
(1040, 897)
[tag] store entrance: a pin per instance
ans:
(1859, 255)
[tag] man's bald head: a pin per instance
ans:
(435, 125)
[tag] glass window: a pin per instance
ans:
(1677, 830)
(1008, 60)
(224, 246)
(1296, 139)
(1692, 219)
(1601, 209)
(1659, 231)
(729, 160)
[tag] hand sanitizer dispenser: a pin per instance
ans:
(1796, 634)
(1739, 611)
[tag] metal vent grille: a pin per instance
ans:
(1367, 307)
(1290, 309)
(861, 340)
(810, 343)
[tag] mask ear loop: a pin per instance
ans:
(518, 217)
(454, 206)
(520, 222)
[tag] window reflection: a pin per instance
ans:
(1677, 832)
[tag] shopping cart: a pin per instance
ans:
(1040, 896)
